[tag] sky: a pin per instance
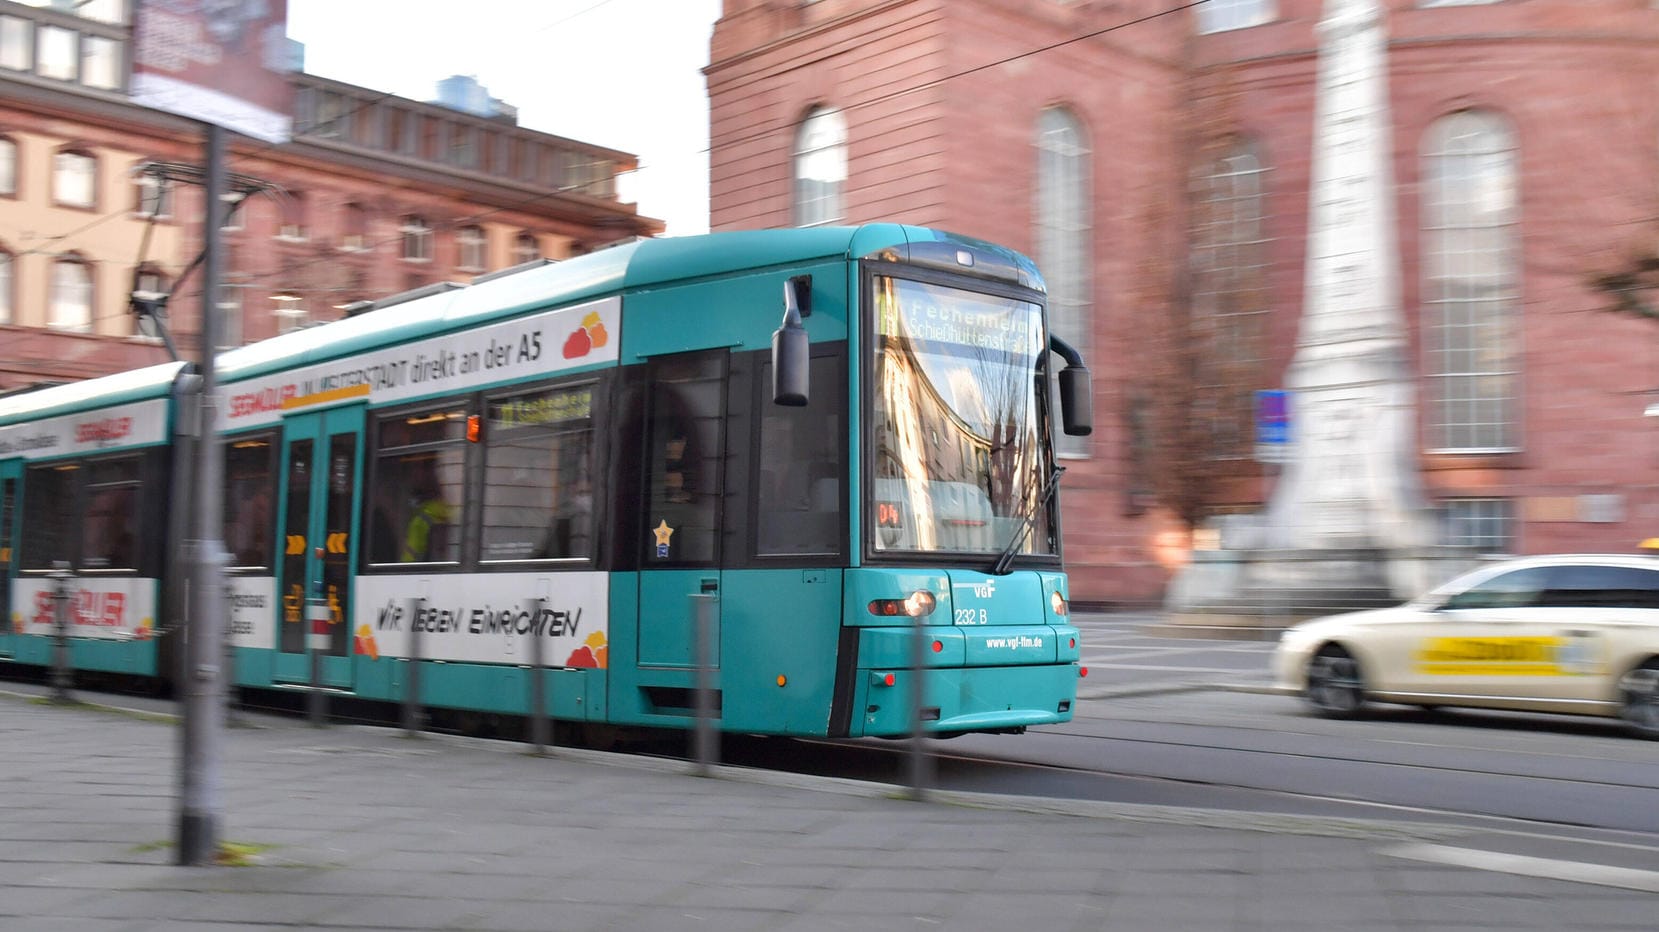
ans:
(623, 74)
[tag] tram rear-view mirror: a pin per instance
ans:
(791, 349)
(1076, 401)
(1076, 392)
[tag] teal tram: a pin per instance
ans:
(532, 475)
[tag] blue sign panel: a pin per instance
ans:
(1272, 425)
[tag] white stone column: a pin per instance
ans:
(1351, 481)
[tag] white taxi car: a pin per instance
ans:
(1576, 634)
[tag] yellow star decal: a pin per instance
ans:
(663, 532)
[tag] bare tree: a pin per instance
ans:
(1210, 354)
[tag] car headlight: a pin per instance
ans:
(1293, 637)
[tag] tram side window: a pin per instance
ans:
(419, 473)
(110, 531)
(538, 464)
(799, 487)
(48, 509)
(249, 507)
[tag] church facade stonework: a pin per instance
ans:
(1437, 201)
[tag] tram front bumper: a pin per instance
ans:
(968, 699)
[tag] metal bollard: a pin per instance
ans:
(706, 739)
(540, 725)
(413, 719)
(62, 678)
(317, 643)
(919, 759)
(233, 713)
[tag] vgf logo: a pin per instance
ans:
(982, 590)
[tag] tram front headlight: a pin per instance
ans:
(915, 605)
(1057, 602)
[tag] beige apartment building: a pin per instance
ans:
(375, 195)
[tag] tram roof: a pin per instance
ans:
(119, 388)
(615, 270)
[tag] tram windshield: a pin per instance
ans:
(955, 421)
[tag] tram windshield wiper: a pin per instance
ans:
(1006, 559)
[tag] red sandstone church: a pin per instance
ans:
(1154, 157)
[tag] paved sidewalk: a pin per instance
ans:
(361, 828)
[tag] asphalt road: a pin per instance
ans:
(1193, 722)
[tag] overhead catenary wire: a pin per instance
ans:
(530, 201)
(771, 130)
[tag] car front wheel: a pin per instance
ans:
(1639, 692)
(1336, 688)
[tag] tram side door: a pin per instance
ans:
(11, 482)
(684, 473)
(321, 473)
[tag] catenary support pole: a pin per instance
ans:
(200, 803)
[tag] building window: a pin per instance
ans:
(328, 116)
(113, 12)
(590, 176)
(463, 146)
(471, 241)
(1222, 15)
(290, 311)
(1486, 524)
(17, 43)
(431, 142)
(1470, 288)
(525, 248)
(1229, 291)
(7, 315)
(401, 130)
(153, 196)
(820, 167)
(232, 205)
(149, 281)
(354, 228)
(560, 166)
(1065, 235)
(71, 295)
(8, 167)
(56, 55)
(229, 335)
(501, 149)
(74, 179)
(1139, 491)
(527, 153)
(417, 239)
(368, 125)
(292, 227)
(101, 63)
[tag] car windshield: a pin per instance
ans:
(958, 463)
